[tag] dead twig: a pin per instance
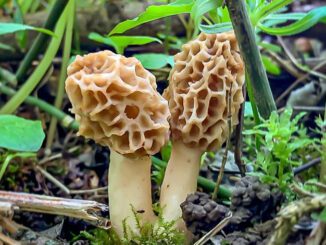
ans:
(215, 230)
(8, 240)
(286, 65)
(296, 63)
(297, 82)
(238, 137)
(82, 209)
(10, 226)
(65, 189)
(6, 209)
(319, 109)
(321, 186)
(291, 214)
(295, 188)
(306, 166)
(57, 156)
(228, 141)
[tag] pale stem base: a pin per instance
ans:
(129, 187)
(180, 180)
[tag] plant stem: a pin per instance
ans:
(66, 120)
(41, 39)
(251, 56)
(63, 71)
(12, 156)
(39, 72)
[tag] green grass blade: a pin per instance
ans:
(154, 13)
(6, 28)
(310, 19)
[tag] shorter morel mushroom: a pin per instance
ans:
(116, 103)
(206, 71)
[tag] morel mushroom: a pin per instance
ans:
(116, 103)
(205, 71)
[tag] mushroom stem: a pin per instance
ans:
(129, 188)
(180, 180)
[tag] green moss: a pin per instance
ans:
(162, 233)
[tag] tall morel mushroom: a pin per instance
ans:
(205, 71)
(116, 103)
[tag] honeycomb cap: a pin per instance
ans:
(116, 103)
(199, 86)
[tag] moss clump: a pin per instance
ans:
(162, 233)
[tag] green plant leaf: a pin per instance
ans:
(217, 28)
(166, 151)
(6, 47)
(21, 36)
(270, 66)
(321, 216)
(269, 46)
(19, 134)
(154, 13)
(155, 61)
(202, 7)
(6, 28)
(248, 110)
(310, 19)
(119, 43)
(265, 10)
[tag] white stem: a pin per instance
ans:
(179, 181)
(129, 187)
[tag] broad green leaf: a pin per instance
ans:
(155, 61)
(153, 13)
(217, 28)
(19, 134)
(310, 19)
(270, 66)
(6, 28)
(119, 43)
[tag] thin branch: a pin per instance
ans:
(215, 230)
(238, 137)
(306, 166)
(291, 214)
(318, 184)
(319, 109)
(301, 192)
(296, 63)
(8, 240)
(228, 143)
(287, 65)
(298, 81)
(82, 209)
(65, 189)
